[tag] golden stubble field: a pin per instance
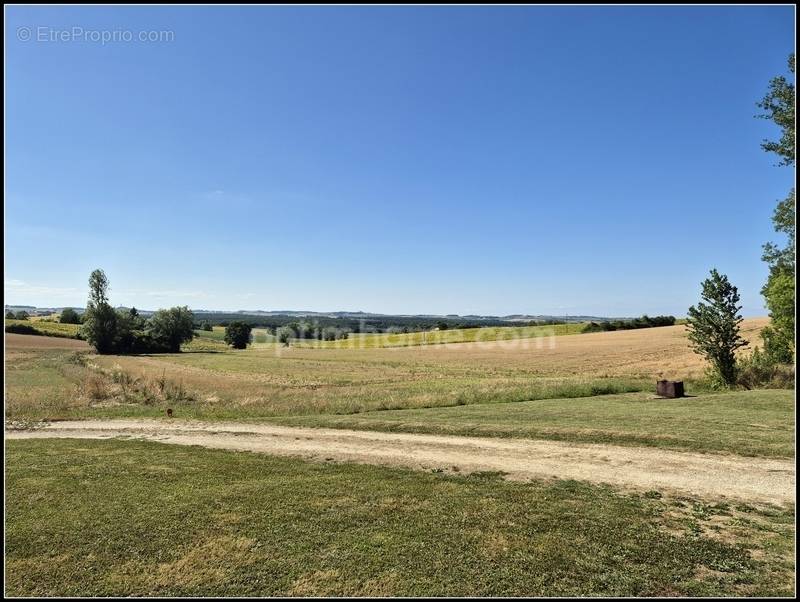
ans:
(277, 380)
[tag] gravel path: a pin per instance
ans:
(705, 475)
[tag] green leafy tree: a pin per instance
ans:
(9, 315)
(778, 105)
(237, 334)
(779, 337)
(172, 327)
(69, 316)
(779, 291)
(135, 319)
(206, 326)
(22, 315)
(124, 334)
(714, 326)
(100, 320)
(284, 335)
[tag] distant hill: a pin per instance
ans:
(291, 313)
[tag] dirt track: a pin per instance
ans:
(705, 475)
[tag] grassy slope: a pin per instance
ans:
(135, 518)
(214, 340)
(46, 382)
(217, 333)
(440, 337)
(411, 339)
(52, 329)
(256, 384)
(442, 393)
(758, 423)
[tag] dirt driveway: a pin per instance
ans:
(705, 475)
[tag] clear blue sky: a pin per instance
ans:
(392, 159)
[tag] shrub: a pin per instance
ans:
(143, 342)
(21, 329)
(69, 316)
(760, 370)
(21, 315)
(284, 334)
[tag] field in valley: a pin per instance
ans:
(142, 517)
(443, 337)
(49, 327)
(212, 381)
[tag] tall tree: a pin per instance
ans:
(714, 326)
(779, 291)
(100, 320)
(98, 287)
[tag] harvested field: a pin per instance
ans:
(276, 381)
(22, 342)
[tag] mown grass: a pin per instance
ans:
(117, 518)
(47, 328)
(442, 337)
(749, 423)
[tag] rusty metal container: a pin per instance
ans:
(669, 388)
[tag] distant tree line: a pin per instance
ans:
(375, 325)
(643, 322)
(310, 330)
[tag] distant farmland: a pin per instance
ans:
(47, 328)
(441, 337)
(213, 381)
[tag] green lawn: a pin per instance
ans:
(757, 423)
(116, 518)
